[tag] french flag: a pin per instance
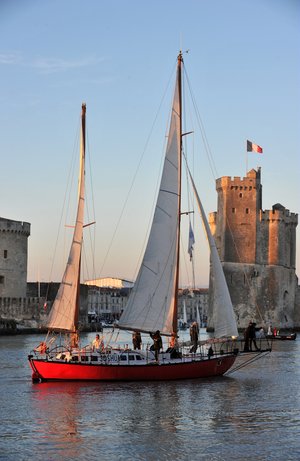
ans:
(251, 147)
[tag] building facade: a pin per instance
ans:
(258, 252)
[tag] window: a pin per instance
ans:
(5, 254)
(241, 195)
(247, 210)
(233, 210)
(1, 279)
(131, 357)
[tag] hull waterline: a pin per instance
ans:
(44, 370)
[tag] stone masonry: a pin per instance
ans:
(13, 258)
(258, 251)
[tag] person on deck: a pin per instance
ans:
(157, 343)
(252, 337)
(74, 340)
(194, 335)
(247, 336)
(173, 346)
(136, 340)
(97, 344)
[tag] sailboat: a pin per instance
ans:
(153, 303)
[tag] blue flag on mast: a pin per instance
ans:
(191, 242)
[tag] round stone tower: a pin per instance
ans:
(13, 258)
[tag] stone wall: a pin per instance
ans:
(32, 311)
(13, 257)
(258, 252)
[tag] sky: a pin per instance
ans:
(118, 56)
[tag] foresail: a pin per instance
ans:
(63, 315)
(151, 303)
(223, 315)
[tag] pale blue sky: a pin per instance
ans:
(118, 57)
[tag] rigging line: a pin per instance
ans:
(215, 175)
(135, 173)
(92, 238)
(202, 131)
(70, 175)
(257, 356)
(243, 269)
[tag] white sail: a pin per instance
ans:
(151, 303)
(64, 312)
(198, 318)
(223, 315)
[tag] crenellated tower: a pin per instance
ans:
(13, 258)
(258, 252)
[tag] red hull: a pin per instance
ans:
(44, 370)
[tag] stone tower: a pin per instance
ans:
(13, 258)
(258, 251)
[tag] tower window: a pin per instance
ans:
(247, 210)
(233, 210)
(241, 195)
(5, 254)
(1, 279)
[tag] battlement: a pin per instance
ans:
(8, 225)
(239, 183)
(281, 214)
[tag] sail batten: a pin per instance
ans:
(64, 313)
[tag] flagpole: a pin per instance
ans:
(246, 159)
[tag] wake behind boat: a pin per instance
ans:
(153, 303)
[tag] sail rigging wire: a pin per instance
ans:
(215, 175)
(207, 148)
(250, 360)
(135, 176)
(93, 218)
(66, 201)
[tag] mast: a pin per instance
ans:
(65, 310)
(80, 195)
(179, 83)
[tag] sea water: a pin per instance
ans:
(253, 414)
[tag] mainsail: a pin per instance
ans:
(152, 303)
(223, 315)
(64, 312)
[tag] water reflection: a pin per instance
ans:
(236, 417)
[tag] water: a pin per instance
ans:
(251, 414)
